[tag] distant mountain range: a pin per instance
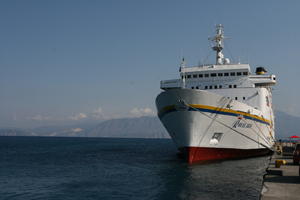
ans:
(286, 125)
(145, 127)
(142, 127)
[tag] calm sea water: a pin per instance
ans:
(100, 168)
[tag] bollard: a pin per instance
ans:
(278, 163)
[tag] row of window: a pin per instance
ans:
(236, 98)
(220, 87)
(216, 74)
(215, 87)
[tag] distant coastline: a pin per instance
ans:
(141, 127)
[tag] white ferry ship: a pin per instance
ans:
(218, 111)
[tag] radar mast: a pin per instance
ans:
(218, 39)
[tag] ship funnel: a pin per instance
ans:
(260, 70)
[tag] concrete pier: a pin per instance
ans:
(282, 182)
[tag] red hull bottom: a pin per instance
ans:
(204, 154)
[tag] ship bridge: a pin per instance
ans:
(219, 77)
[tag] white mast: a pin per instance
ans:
(182, 66)
(218, 39)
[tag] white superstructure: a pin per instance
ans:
(218, 111)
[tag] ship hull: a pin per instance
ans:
(205, 154)
(206, 126)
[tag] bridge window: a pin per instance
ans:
(200, 75)
(206, 75)
(216, 87)
(188, 76)
(239, 73)
(206, 87)
(244, 98)
(220, 74)
(195, 76)
(236, 98)
(210, 87)
(192, 87)
(230, 86)
(234, 86)
(232, 73)
(226, 74)
(245, 73)
(197, 87)
(220, 86)
(213, 74)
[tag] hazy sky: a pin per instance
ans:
(63, 61)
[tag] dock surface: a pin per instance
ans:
(283, 182)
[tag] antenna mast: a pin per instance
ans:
(218, 39)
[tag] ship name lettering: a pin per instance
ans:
(239, 124)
